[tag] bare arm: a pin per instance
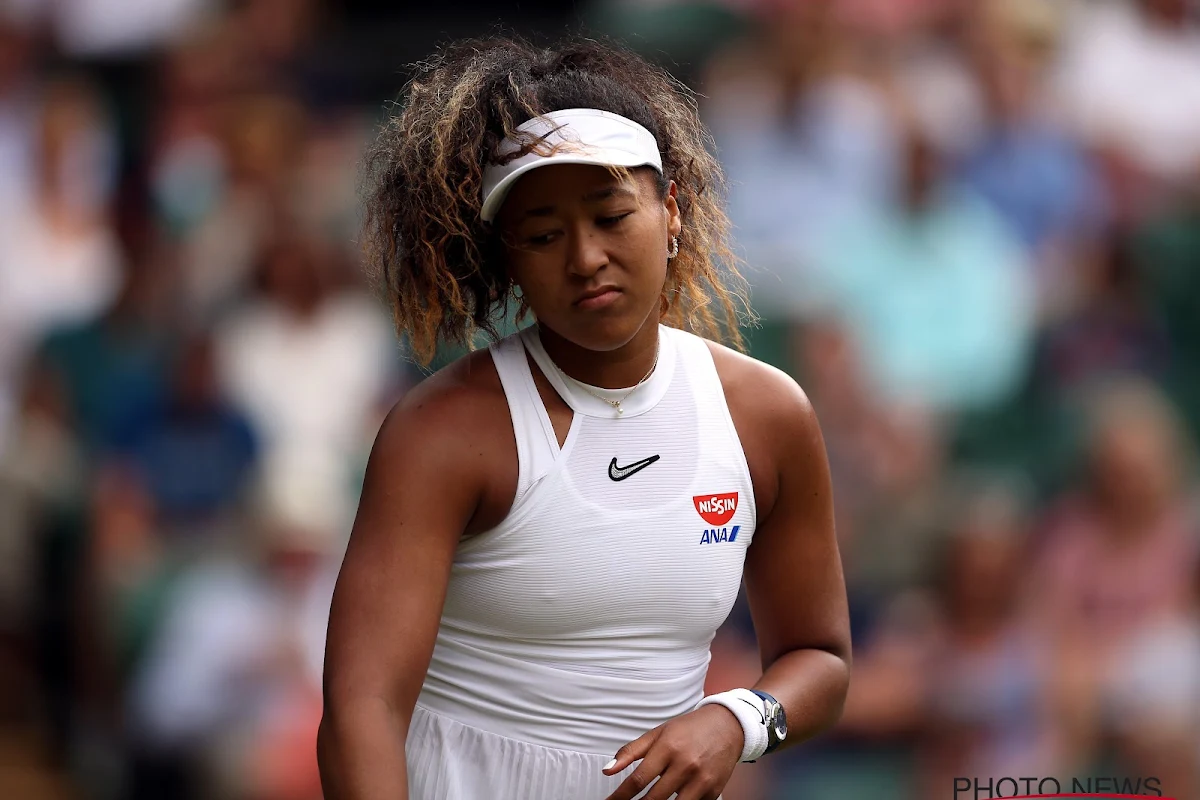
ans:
(794, 580)
(424, 483)
(793, 573)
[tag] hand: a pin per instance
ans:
(692, 755)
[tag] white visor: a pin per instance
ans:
(571, 136)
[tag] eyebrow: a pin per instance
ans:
(602, 193)
(615, 190)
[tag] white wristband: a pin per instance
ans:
(748, 708)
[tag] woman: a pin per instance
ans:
(551, 530)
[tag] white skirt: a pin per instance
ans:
(451, 761)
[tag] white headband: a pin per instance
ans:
(573, 136)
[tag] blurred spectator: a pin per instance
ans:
(1111, 331)
(1038, 178)
(899, 526)
(936, 292)
(1155, 704)
(272, 37)
(993, 708)
(194, 451)
(851, 422)
(325, 199)
(60, 262)
(307, 360)
(888, 463)
(806, 138)
(42, 469)
(248, 182)
(1129, 81)
(114, 368)
(1120, 550)
(933, 73)
(186, 158)
(128, 561)
(233, 671)
(115, 28)
(41, 474)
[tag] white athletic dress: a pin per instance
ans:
(584, 619)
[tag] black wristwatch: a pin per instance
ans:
(776, 720)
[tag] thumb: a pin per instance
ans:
(631, 752)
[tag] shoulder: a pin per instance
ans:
(449, 437)
(769, 395)
(460, 406)
(774, 420)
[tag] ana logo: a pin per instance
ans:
(718, 535)
(716, 509)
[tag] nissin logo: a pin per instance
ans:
(716, 509)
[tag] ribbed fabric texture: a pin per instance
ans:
(487, 765)
(585, 618)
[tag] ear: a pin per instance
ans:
(674, 220)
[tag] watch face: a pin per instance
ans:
(775, 718)
(778, 721)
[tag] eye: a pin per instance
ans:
(610, 221)
(542, 239)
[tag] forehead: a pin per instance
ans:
(563, 185)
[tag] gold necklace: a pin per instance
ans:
(616, 404)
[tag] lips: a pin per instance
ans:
(598, 298)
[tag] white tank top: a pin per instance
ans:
(584, 619)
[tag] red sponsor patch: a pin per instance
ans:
(716, 509)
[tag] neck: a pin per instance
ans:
(619, 368)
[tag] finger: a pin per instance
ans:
(651, 767)
(631, 752)
(671, 781)
(700, 783)
(699, 789)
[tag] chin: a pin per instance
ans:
(601, 333)
(601, 338)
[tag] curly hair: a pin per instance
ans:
(441, 268)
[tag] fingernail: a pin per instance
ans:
(610, 765)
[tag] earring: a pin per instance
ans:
(674, 251)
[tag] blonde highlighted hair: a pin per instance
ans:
(441, 267)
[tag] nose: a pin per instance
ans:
(586, 254)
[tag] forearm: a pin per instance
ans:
(811, 685)
(360, 750)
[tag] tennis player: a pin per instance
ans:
(552, 529)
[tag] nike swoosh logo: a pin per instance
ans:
(761, 715)
(621, 473)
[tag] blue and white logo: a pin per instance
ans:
(716, 535)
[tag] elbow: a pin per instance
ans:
(836, 684)
(841, 692)
(327, 754)
(336, 736)
(327, 730)
(325, 740)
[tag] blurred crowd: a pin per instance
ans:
(972, 228)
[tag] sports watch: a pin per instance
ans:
(775, 719)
